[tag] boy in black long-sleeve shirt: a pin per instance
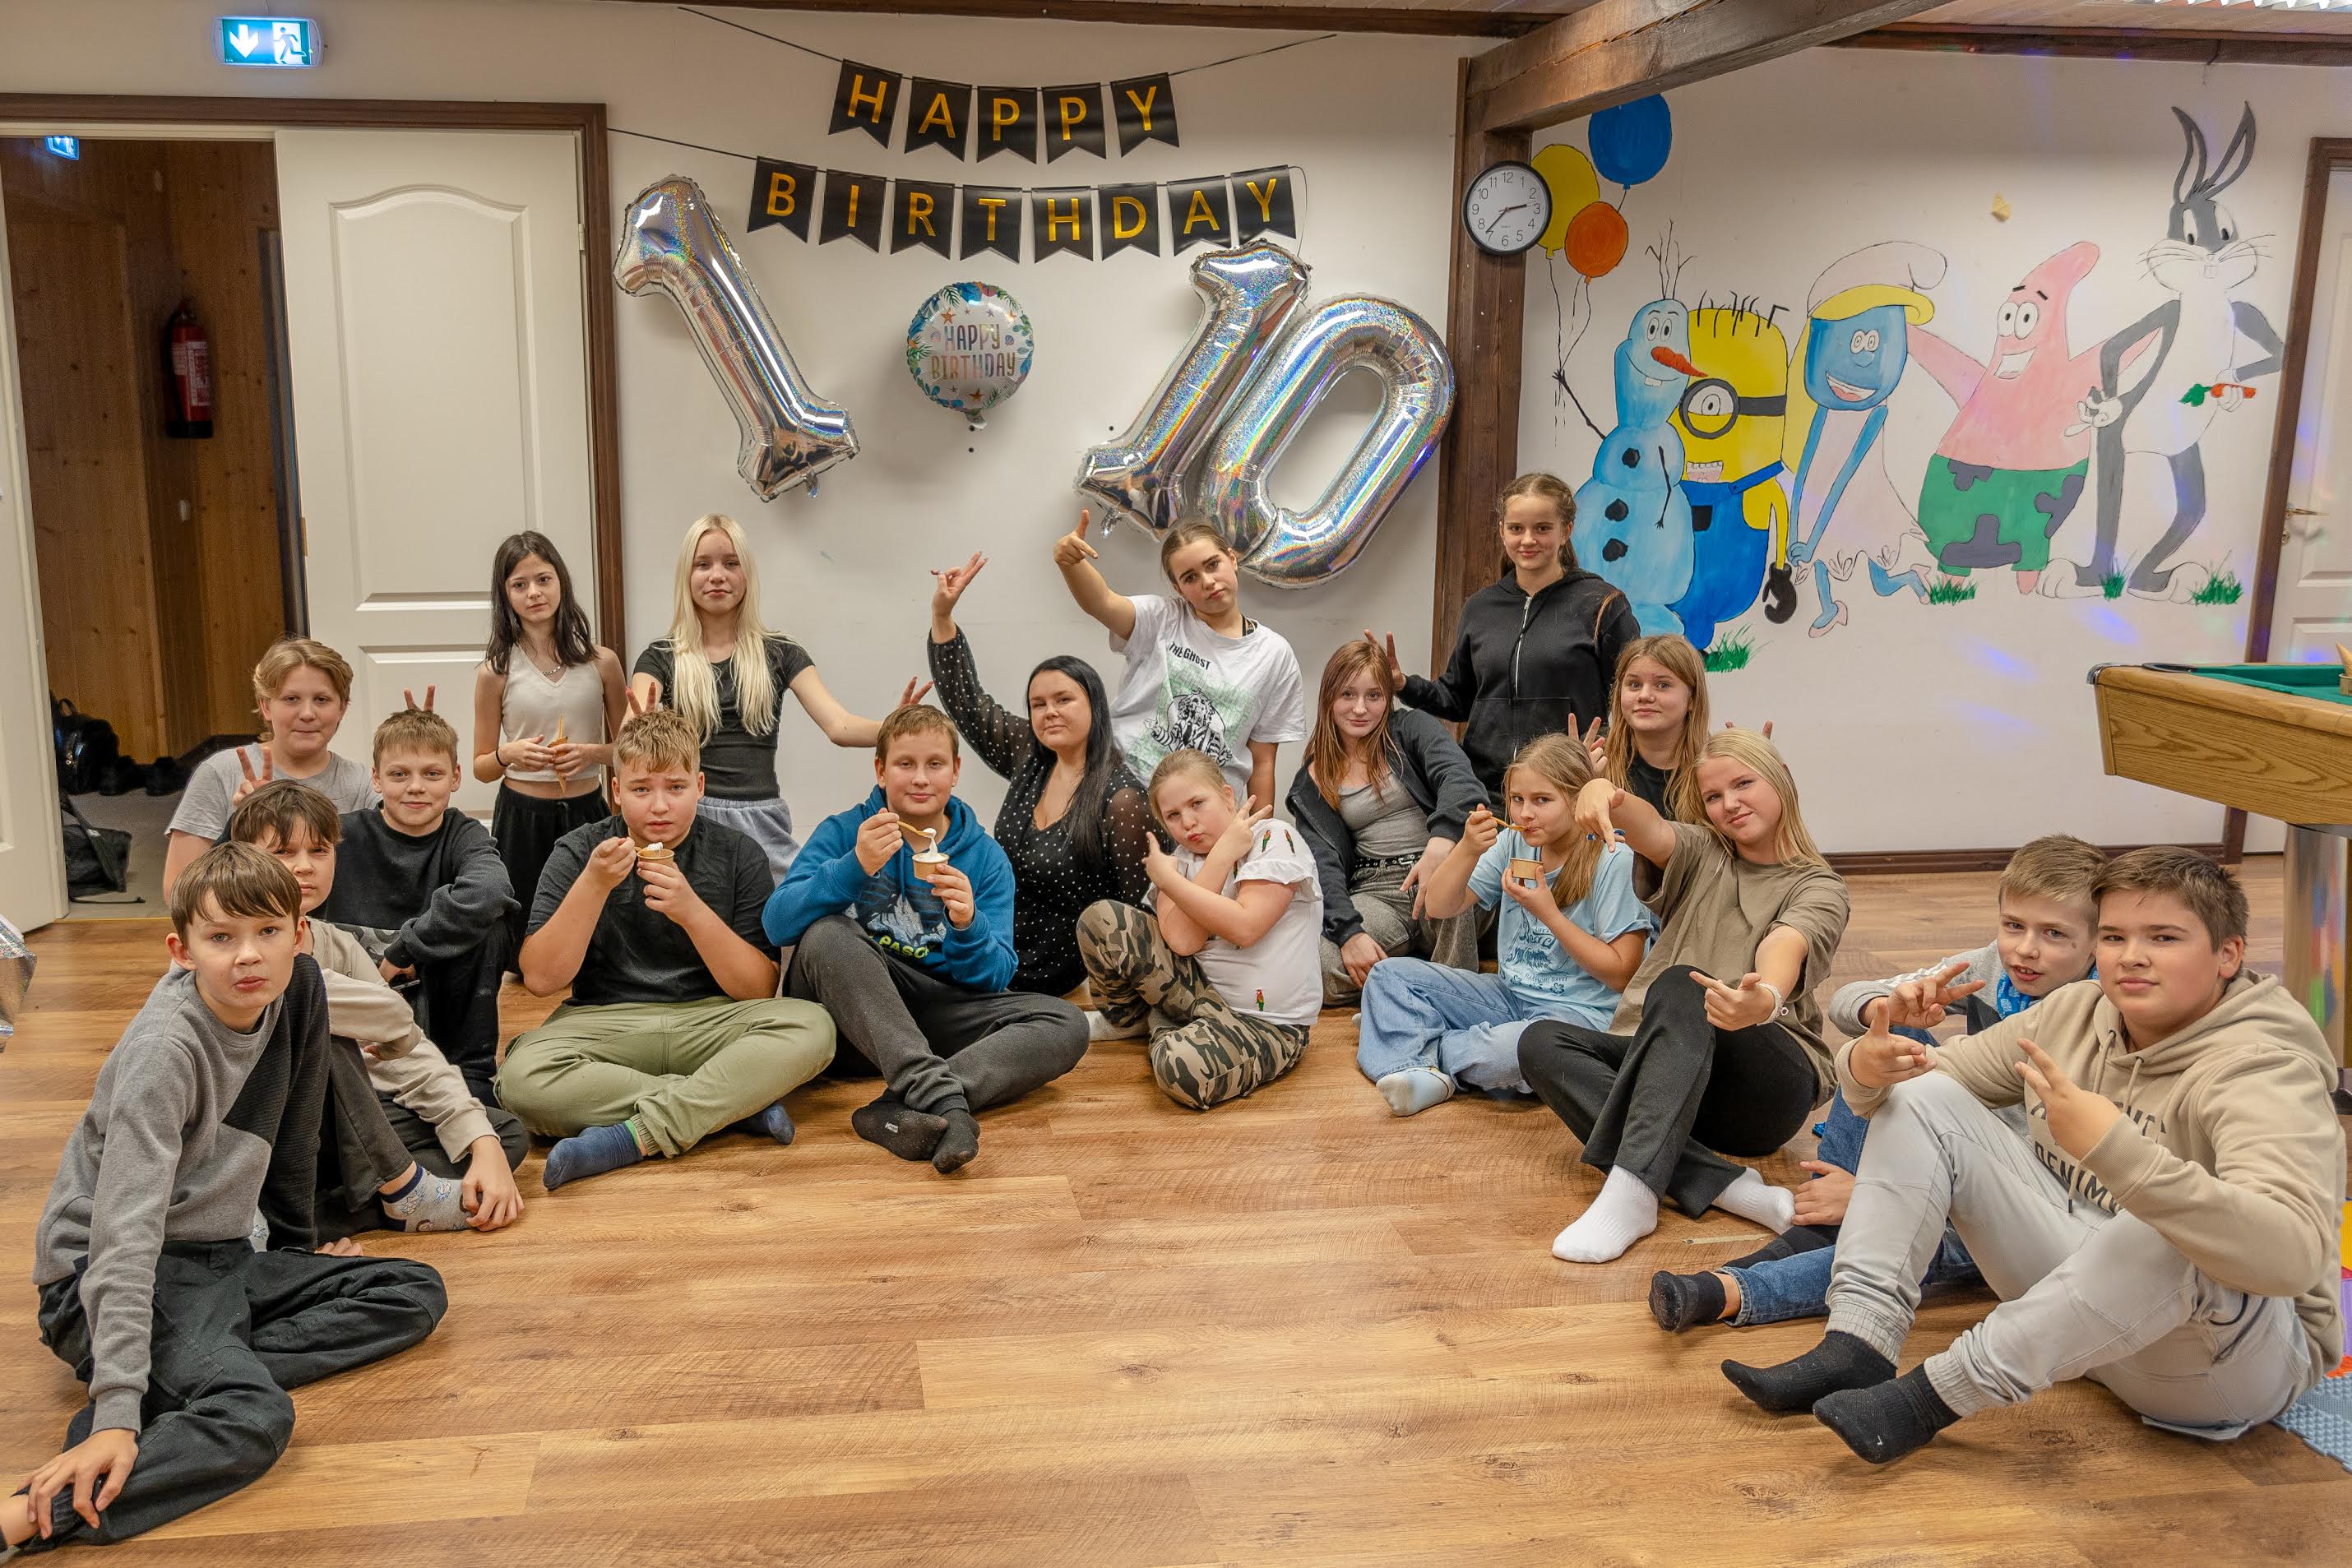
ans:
(423, 890)
(198, 1150)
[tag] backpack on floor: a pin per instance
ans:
(86, 746)
(98, 860)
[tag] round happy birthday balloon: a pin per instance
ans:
(969, 348)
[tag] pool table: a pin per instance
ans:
(2271, 739)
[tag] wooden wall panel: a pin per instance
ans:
(221, 195)
(86, 469)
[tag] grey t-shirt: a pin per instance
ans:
(204, 806)
(640, 955)
(1384, 819)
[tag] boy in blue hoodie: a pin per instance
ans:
(899, 912)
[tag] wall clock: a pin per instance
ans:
(1506, 208)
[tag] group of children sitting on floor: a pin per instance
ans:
(2133, 1146)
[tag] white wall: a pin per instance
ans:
(1367, 119)
(1918, 726)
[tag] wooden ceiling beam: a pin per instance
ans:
(1619, 50)
(1426, 21)
(2211, 46)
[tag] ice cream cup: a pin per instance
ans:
(1528, 870)
(928, 864)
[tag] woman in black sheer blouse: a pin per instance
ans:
(1074, 821)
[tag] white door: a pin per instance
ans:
(438, 337)
(2314, 612)
(31, 848)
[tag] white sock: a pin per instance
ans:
(1751, 1196)
(1625, 1211)
(1415, 1089)
(1099, 1026)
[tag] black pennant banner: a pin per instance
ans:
(1146, 109)
(1199, 211)
(944, 114)
(864, 100)
(853, 208)
(938, 114)
(921, 214)
(991, 221)
(1074, 119)
(1262, 202)
(1007, 122)
(926, 215)
(782, 193)
(1061, 221)
(1130, 219)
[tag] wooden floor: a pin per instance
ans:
(1293, 1330)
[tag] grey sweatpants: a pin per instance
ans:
(234, 1329)
(2083, 1293)
(1386, 911)
(941, 1047)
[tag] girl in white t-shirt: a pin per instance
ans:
(1200, 675)
(1226, 966)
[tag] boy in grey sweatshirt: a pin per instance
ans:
(199, 1148)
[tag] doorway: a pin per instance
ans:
(151, 468)
(430, 314)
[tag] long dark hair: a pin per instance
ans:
(572, 643)
(1105, 764)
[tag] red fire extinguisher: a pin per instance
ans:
(190, 352)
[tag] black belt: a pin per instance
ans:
(1370, 863)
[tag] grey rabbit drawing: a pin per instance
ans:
(2191, 372)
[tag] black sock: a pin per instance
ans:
(1771, 1251)
(1888, 1421)
(1685, 1301)
(958, 1144)
(1839, 1361)
(909, 1134)
(1810, 1237)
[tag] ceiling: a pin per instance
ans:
(2228, 18)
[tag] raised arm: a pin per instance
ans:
(462, 911)
(1450, 695)
(842, 726)
(1002, 740)
(1447, 892)
(1075, 558)
(1602, 808)
(552, 955)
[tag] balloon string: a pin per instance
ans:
(1180, 70)
(674, 141)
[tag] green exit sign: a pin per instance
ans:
(290, 42)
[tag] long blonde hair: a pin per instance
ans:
(693, 687)
(1561, 760)
(1792, 844)
(1675, 656)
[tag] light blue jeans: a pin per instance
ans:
(1465, 1025)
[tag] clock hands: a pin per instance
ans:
(1505, 213)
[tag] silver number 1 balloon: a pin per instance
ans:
(1293, 549)
(1246, 295)
(672, 241)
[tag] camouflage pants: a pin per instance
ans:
(1202, 1052)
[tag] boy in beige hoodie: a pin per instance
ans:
(2169, 1233)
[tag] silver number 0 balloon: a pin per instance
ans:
(672, 241)
(1292, 549)
(1246, 295)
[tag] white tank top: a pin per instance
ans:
(572, 701)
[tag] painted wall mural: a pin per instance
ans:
(1743, 478)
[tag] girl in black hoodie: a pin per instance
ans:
(1537, 650)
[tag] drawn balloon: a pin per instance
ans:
(1596, 240)
(1296, 549)
(969, 347)
(1631, 142)
(1246, 295)
(672, 241)
(1567, 175)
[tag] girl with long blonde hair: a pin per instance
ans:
(727, 673)
(1572, 933)
(1716, 1047)
(1381, 801)
(1657, 723)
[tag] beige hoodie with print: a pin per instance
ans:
(2228, 1146)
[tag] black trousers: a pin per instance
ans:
(455, 1001)
(525, 828)
(358, 1149)
(234, 1329)
(1661, 1102)
(941, 1045)
(424, 1145)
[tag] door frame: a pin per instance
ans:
(2328, 153)
(584, 119)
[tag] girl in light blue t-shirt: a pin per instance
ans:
(1568, 941)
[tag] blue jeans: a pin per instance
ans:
(1465, 1025)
